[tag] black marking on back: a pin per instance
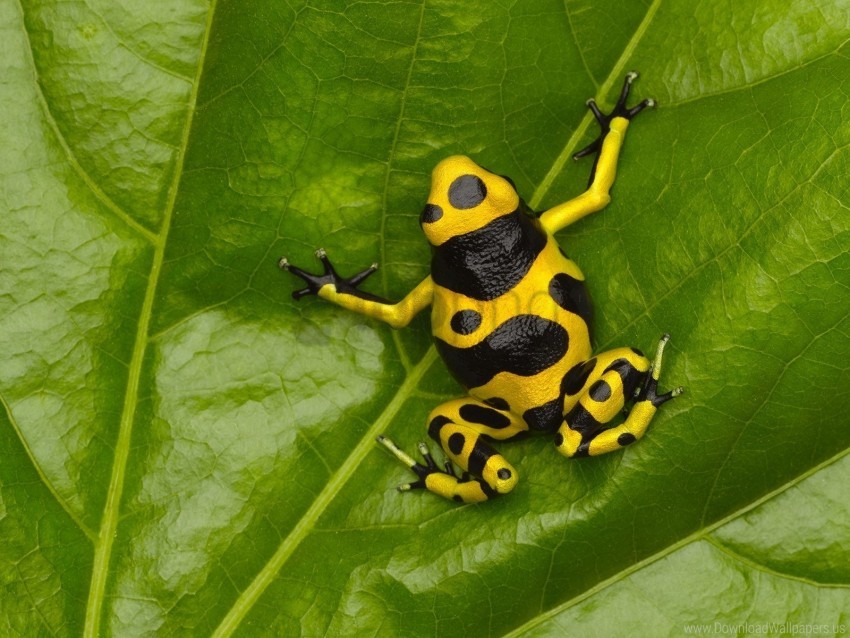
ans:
(466, 322)
(484, 416)
(523, 345)
(488, 262)
(571, 294)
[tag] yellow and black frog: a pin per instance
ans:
(510, 316)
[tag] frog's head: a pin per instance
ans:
(464, 197)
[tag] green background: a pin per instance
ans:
(184, 450)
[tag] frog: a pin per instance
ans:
(511, 319)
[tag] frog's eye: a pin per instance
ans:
(430, 214)
(467, 191)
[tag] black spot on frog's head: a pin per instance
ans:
(430, 214)
(464, 197)
(467, 191)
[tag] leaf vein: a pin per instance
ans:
(44, 479)
(759, 567)
(87, 179)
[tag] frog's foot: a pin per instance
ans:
(445, 482)
(328, 277)
(649, 391)
(620, 110)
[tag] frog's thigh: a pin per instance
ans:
(461, 427)
(611, 384)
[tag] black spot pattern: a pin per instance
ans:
(504, 474)
(467, 191)
(576, 377)
(430, 214)
(488, 491)
(626, 438)
(499, 403)
(559, 439)
(580, 420)
(488, 262)
(571, 294)
(600, 391)
(484, 416)
(628, 373)
(582, 450)
(466, 322)
(436, 425)
(523, 345)
(479, 456)
(546, 417)
(456, 442)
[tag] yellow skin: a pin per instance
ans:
(515, 332)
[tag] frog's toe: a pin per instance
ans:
(649, 392)
(422, 471)
(314, 282)
(329, 276)
(620, 110)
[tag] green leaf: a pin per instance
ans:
(187, 451)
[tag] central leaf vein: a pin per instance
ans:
(111, 511)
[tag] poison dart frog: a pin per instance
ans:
(510, 317)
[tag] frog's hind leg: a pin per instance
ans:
(463, 428)
(618, 377)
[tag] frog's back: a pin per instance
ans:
(511, 312)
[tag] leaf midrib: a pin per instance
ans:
(109, 522)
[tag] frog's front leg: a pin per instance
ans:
(607, 147)
(610, 381)
(344, 292)
(462, 427)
